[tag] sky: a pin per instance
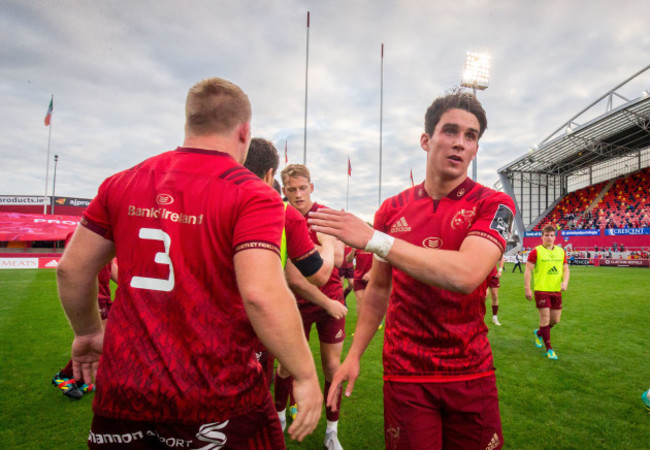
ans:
(120, 70)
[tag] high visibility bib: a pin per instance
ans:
(283, 243)
(549, 269)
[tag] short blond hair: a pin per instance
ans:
(549, 228)
(215, 106)
(295, 170)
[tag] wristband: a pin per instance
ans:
(380, 244)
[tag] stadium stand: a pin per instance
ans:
(620, 203)
(590, 178)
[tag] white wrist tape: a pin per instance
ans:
(380, 244)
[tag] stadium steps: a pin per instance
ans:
(600, 196)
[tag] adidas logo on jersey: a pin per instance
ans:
(400, 226)
(552, 271)
(494, 442)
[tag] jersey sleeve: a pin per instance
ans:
(96, 217)
(494, 219)
(260, 220)
(299, 243)
(532, 256)
(379, 222)
(300, 248)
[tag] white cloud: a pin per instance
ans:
(120, 71)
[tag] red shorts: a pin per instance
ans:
(346, 272)
(493, 282)
(551, 300)
(330, 330)
(459, 414)
(104, 307)
(266, 360)
(359, 285)
(259, 429)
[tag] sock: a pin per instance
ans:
(282, 389)
(495, 308)
(66, 372)
(347, 291)
(332, 425)
(332, 416)
(545, 334)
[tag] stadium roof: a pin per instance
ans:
(619, 132)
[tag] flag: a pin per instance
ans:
(349, 167)
(412, 183)
(48, 116)
(286, 156)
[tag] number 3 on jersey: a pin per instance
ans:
(156, 284)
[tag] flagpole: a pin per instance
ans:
(381, 115)
(347, 195)
(47, 167)
(304, 155)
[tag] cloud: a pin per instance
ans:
(120, 70)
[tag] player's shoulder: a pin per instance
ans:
(292, 214)
(405, 197)
(480, 193)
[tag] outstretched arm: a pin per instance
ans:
(457, 271)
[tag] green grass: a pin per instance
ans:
(590, 398)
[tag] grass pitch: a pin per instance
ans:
(590, 398)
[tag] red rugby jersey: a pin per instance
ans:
(433, 334)
(363, 264)
(332, 289)
(346, 265)
(179, 346)
(299, 243)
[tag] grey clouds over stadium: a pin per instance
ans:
(120, 70)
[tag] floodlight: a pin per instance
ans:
(476, 74)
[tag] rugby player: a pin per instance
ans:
(434, 247)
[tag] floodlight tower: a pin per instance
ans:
(476, 75)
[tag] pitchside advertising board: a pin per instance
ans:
(30, 263)
(34, 204)
(603, 232)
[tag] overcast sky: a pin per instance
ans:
(120, 70)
